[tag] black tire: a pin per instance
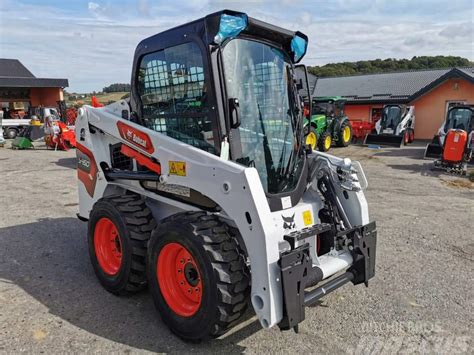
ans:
(340, 141)
(222, 269)
(321, 145)
(11, 133)
(134, 223)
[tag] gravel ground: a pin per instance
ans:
(421, 298)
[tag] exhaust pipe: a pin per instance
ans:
(389, 140)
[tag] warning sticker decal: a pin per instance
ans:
(307, 218)
(177, 168)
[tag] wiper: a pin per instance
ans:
(295, 121)
(266, 146)
(283, 150)
(292, 98)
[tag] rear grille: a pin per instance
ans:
(119, 161)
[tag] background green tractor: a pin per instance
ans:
(328, 124)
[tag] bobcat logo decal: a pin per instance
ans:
(289, 222)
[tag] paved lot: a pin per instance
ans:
(420, 300)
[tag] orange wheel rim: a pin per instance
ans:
(179, 279)
(108, 246)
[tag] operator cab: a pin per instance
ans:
(459, 117)
(329, 107)
(226, 84)
(392, 116)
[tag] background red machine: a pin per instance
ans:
(57, 135)
(457, 151)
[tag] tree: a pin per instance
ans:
(388, 65)
(117, 88)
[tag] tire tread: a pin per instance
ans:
(228, 262)
(139, 222)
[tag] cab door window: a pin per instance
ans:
(173, 89)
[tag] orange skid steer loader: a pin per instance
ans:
(453, 146)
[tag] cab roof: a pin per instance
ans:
(207, 27)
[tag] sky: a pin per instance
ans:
(92, 43)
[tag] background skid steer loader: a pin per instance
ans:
(457, 152)
(208, 196)
(455, 141)
(457, 117)
(396, 127)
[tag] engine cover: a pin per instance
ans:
(454, 146)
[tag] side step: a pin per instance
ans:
(113, 174)
(389, 140)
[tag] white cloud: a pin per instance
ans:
(93, 6)
(462, 30)
(94, 47)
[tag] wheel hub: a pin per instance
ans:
(191, 274)
(108, 246)
(179, 279)
(327, 142)
(311, 140)
(346, 134)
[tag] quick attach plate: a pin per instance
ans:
(364, 240)
(295, 266)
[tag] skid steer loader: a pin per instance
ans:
(454, 145)
(396, 127)
(457, 117)
(201, 187)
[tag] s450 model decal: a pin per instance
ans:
(86, 168)
(83, 162)
(136, 137)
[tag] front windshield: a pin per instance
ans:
(458, 118)
(260, 77)
(391, 116)
(323, 108)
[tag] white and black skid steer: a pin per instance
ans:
(396, 127)
(201, 187)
